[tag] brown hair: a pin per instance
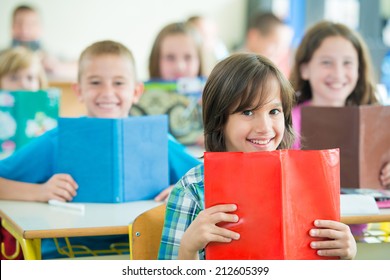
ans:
(264, 22)
(106, 48)
(171, 29)
(22, 8)
(234, 85)
(364, 92)
(19, 58)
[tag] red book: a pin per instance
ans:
(278, 195)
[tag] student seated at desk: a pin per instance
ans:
(108, 86)
(333, 69)
(20, 69)
(247, 106)
(27, 31)
(176, 53)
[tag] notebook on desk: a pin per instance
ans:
(115, 160)
(382, 197)
(357, 205)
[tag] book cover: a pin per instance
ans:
(25, 115)
(180, 100)
(277, 200)
(115, 160)
(361, 134)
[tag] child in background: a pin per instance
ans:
(213, 49)
(176, 53)
(27, 31)
(333, 68)
(247, 106)
(108, 86)
(269, 36)
(21, 69)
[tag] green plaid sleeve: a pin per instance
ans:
(184, 204)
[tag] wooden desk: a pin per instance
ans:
(70, 106)
(383, 216)
(29, 222)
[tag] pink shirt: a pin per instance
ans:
(296, 120)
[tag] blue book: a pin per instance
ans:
(115, 160)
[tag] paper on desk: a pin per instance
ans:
(357, 204)
(68, 205)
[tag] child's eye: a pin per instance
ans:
(325, 62)
(347, 63)
(188, 58)
(119, 83)
(14, 77)
(170, 57)
(247, 113)
(95, 83)
(275, 111)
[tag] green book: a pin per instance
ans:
(25, 115)
(180, 101)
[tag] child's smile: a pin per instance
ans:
(332, 72)
(259, 142)
(108, 87)
(259, 129)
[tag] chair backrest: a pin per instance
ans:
(146, 233)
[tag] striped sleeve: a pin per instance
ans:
(185, 202)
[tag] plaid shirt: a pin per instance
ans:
(185, 202)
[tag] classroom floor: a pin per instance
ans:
(375, 244)
(111, 257)
(373, 251)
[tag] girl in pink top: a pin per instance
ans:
(332, 68)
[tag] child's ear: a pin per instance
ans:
(253, 36)
(138, 91)
(77, 90)
(304, 70)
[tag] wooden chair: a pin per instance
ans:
(145, 234)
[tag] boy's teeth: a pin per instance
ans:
(106, 105)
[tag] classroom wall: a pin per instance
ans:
(71, 25)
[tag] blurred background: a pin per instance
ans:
(69, 26)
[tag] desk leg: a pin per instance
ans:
(131, 240)
(31, 247)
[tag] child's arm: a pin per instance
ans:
(60, 187)
(163, 196)
(180, 161)
(385, 175)
(204, 230)
(341, 242)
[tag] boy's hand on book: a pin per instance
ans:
(339, 239)
(163, 196)
(60, 187)
(204, 229)
(385, 175)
